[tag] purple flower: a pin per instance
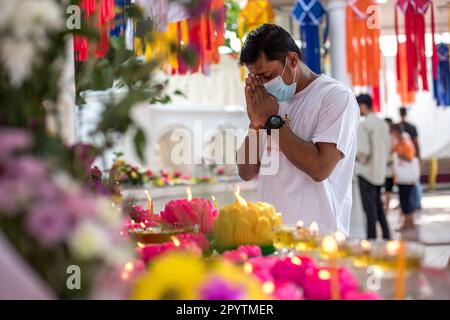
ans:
(27, 168)
(50, 222)
(12, 139)
(79, 204)
(14, 195)
(218, 289)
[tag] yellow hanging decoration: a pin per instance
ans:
(255, 13)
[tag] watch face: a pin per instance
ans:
(275, 121)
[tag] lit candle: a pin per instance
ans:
(314, 228)
(330, 246)
(215, 202)
(176, 242)
(239, 198)
(300, 224)
(189, 193)
(149, 205)
(401, 265)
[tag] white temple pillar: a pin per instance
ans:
(337, 16)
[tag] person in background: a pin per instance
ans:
(404, 148)
(410, 129)
(389, 183)
(373, 149)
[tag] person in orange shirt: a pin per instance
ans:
(405, 150)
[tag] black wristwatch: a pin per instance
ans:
(274, 122)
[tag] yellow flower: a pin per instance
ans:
(133, 174)
(175, 276)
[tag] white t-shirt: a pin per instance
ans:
(324, 111)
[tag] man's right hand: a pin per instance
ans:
(250, 101)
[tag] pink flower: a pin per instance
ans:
(50, 222)
(12, 139)
(252, 251)
(26, 167)
(317, 285)
(262, 267)
(177, 174)
(235, 256)
(206, 212)
(149, 173)
(179, 212)
(221, 171)
(150, 251)
(15, 195)
(200, 239)
(362, 295)
(292, 269)
(287, 291)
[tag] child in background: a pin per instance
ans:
(405, 150)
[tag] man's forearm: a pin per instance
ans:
(247, 156)
(305, 155)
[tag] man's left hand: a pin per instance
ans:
(265, 105)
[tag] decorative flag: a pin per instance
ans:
(254, 14)
(104, 10)
(363, 49)
(442, 83)
(407, 97)
(414, 11)
(201, 34)
(309, 14)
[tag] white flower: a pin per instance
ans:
(109, 215)
(89, 240)
(118, 255)
(18, 58)
(65, 182)
(7, 7)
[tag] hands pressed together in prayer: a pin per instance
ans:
(260, 104)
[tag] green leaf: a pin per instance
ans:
(139, 144)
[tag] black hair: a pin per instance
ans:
(403, 111)
(397, 127)
(272, 40)
(365, 99)
(388, 120)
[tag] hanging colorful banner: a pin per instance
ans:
(309, 14)
(442, 83)
(363, 49)
(414, 12)
(104, 10)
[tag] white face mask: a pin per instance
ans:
(280, 90)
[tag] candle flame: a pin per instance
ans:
(129, 266)
(300, 224)
(248, 267)
(296, 260)
(329, 244)
(148, 196)
(268, 287)
(340, 237)
(176, 241)
(239, 198)
(133, 222)
(314, 228)
(189, 193)
(213, 199)
(365, 245)
(324, 274)
(140, 245)
(392, 247)
(142, 225)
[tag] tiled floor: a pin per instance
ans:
(433, 227)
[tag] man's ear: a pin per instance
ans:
(293, 58)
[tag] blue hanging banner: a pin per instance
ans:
(309, 14)
(442, 83)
